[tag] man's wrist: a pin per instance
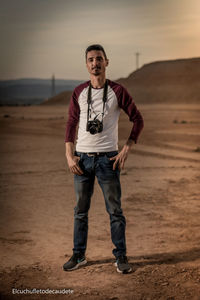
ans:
(130, 142)
(69, 156)
(69, 151)
(128, 145)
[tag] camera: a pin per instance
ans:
(94, 126)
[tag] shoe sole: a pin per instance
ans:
(82, 263)
(122, 272)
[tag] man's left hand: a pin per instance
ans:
(122, 156)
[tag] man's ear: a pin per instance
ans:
(107, 62)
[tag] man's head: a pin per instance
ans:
(96, 59)
(96, 47)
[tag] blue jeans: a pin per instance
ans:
(108, 179)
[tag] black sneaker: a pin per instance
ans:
(123, 265)
(75, 262)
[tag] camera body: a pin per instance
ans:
(94, 126)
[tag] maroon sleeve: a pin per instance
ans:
(73, 118)
(126, 102)
(74, 113)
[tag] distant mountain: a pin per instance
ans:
(174, 81)
(30, 91)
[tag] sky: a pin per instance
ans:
(44, 37)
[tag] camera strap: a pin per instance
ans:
(89, 98)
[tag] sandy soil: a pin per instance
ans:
(160, 200)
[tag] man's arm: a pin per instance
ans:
(73, 118)
(126, 102)
(72, 160)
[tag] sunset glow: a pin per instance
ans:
(39, 38)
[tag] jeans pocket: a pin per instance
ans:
(111, 162)
(111, 154)
(79, 154)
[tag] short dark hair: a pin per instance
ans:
(95, 47)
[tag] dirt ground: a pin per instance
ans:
(160, 199)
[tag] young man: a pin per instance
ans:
(96, 105)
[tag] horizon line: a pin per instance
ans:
(53, 74)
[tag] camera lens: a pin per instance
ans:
(93, 129)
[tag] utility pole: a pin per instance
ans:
(53, 86)
(137, 60)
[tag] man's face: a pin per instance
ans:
(96, 62)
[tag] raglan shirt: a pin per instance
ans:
(107, 140)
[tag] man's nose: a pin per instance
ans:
(94, 62)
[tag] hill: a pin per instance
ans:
(60, 99)
(174, 81)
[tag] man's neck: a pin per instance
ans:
(97, 82)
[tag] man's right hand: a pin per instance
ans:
(73, 163)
